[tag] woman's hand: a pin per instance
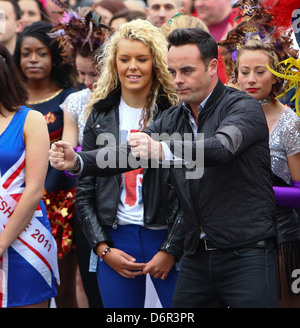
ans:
(122, 262)
(160, 265)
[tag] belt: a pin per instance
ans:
(206, 244)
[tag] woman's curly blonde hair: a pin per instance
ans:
(150, 36)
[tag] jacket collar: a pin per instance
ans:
(114, 97)
(216, 94)
(213, 98)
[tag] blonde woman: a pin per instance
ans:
(256, 79)
(132, 220)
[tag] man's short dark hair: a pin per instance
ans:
(205, 42)
(16, 8)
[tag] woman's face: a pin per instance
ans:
(30, 12)
(253, 75)
(87, 71)
(36, 59)
(134, 66)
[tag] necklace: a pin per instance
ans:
(265, 101)
(36, 102)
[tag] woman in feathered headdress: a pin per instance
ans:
(81, 34)
(254, 50)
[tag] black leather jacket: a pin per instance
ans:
(98, 192)
(233, 201)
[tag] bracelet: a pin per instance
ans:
(107, 249)
(76, 164)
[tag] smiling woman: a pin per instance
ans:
(132, 235)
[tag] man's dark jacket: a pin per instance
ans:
(233, 201)
(98, 191)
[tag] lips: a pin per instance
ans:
(252, 90)
(33, 69)
(133, 77)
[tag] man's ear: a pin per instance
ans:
(19, 26)
(213, 66)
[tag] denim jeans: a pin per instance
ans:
(237, 278)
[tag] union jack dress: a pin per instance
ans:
(28, 268)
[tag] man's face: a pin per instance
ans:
(211, 11)
(191, 78)
(9, 23)
(160, 11)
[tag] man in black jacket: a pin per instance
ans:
(229, 210)
(230, 255)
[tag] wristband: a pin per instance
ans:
(107, 249)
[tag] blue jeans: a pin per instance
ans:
(237, 278)
(120, 292)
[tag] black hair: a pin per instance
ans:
(13, 93)
(16, 7)
(61, 73)
(205, 42)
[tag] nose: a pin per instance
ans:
(252, 78)
(177, 79)
(33, 57)
(162, 12)
(132, 64)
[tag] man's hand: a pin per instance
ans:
(62, 156)
(144, 147)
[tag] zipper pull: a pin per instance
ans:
(115, 224)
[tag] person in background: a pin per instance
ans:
(182, 21)
(48, 81)
(11, 14)
(160, 11)
(136, 5)
(107, 8)
(132, 220)
(125, 16)
(26, 242)
(220, 18)
(74, 33)
(254, 62)
(32, 11)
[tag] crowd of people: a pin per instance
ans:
(150, 153)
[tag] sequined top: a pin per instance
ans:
(75, 105)
(284, 142)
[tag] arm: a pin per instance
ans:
(70, 129)
(242, 125)
(37, 146)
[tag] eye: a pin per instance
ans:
(24, 54)
(187, 71)
(169, 7)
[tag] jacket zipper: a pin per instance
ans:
(115, 223)
(173, 234)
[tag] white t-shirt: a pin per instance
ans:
(130, 210)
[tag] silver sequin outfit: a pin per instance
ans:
(284, 142)
(75, 104)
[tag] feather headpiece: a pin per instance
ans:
(261, 19)
(78, 29)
